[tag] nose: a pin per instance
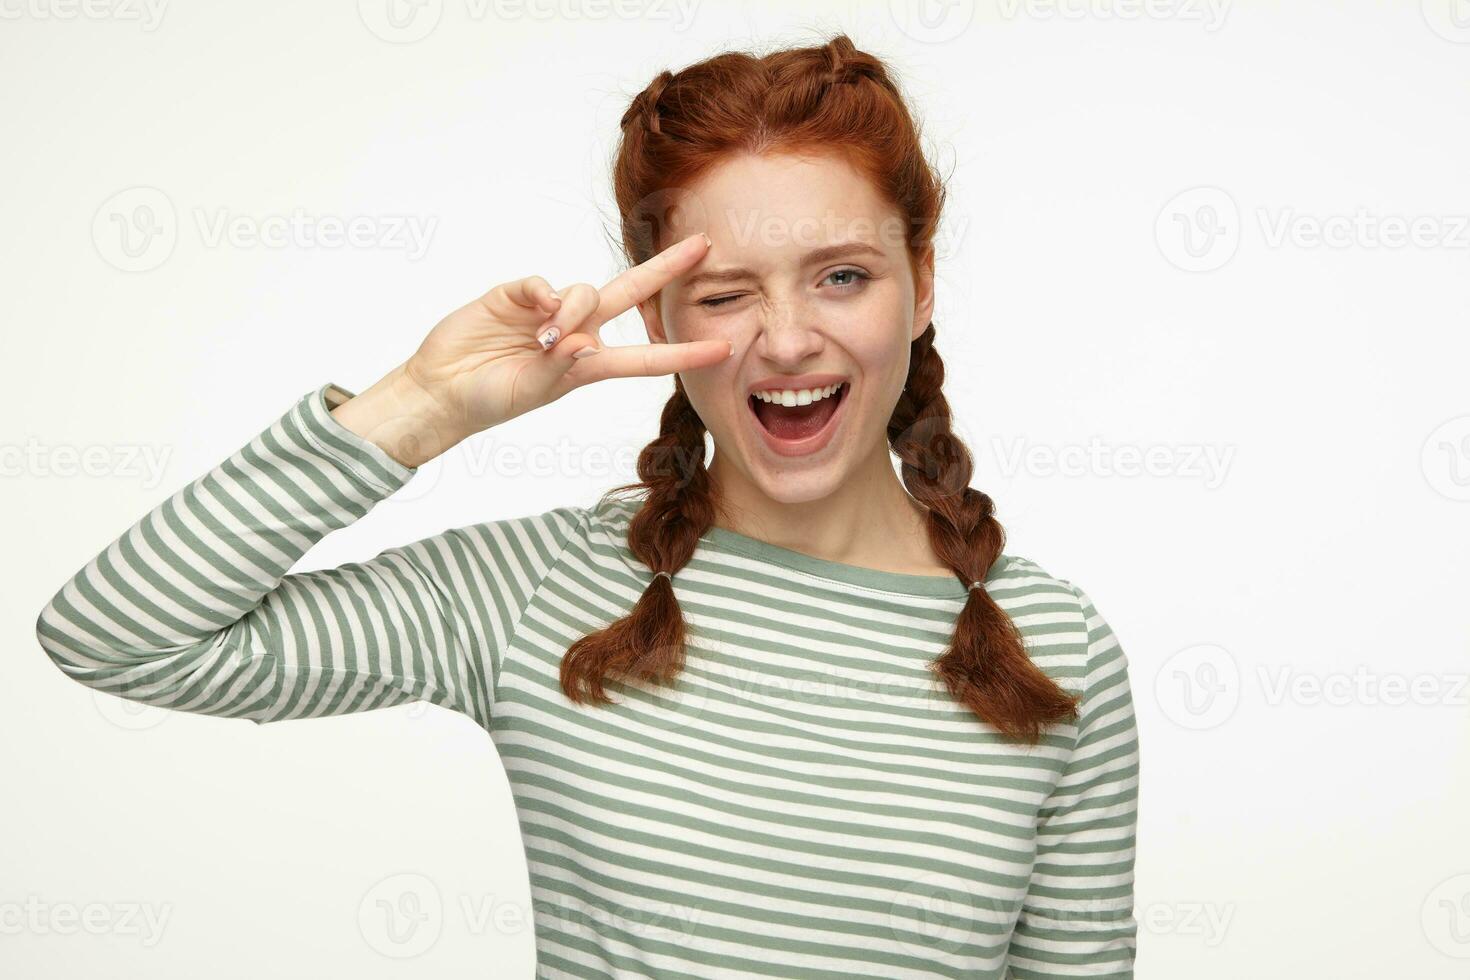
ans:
(789, 332)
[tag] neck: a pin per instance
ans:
(870, 520)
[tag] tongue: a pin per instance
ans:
(798, 421)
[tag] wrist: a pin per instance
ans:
(400, 417)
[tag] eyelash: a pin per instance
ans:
(859, 276)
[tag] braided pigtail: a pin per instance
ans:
(678, 507)
(986, 665)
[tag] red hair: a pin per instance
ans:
(830, 98)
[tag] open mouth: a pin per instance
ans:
(798, 429)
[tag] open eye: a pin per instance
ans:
(858, 277)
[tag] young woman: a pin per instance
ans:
(787, 713)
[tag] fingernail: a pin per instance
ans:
(732, 347)
(548, 337)
(707, 242)
(555, 294)
(588, 352)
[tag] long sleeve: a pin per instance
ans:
(193, 609)
(1077, 919)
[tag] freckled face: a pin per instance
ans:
(795, 306)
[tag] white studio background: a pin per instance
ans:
(1203, 298)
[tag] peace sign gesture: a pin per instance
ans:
(483, 364)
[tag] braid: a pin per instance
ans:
(645, 105)
(678, 508)
(846, 64)
(986, 665)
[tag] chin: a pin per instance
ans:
(800, 487)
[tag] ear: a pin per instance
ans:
(653, 322)
(923, 293)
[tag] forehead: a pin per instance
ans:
(778, 200)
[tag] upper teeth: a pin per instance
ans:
(796, 396)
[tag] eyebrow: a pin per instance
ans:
(824, 254)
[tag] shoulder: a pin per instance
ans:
(1060, 625)
(1022, 585)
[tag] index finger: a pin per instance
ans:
(629, 288)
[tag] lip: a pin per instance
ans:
(817, 440)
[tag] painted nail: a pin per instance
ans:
(548, 337)
(588, 352)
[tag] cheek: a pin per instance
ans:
(878, 342)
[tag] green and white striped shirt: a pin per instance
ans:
(806, 801)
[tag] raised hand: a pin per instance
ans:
(483, 364)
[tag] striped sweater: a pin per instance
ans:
(807, 800)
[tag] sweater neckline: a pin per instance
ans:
(902, 583)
